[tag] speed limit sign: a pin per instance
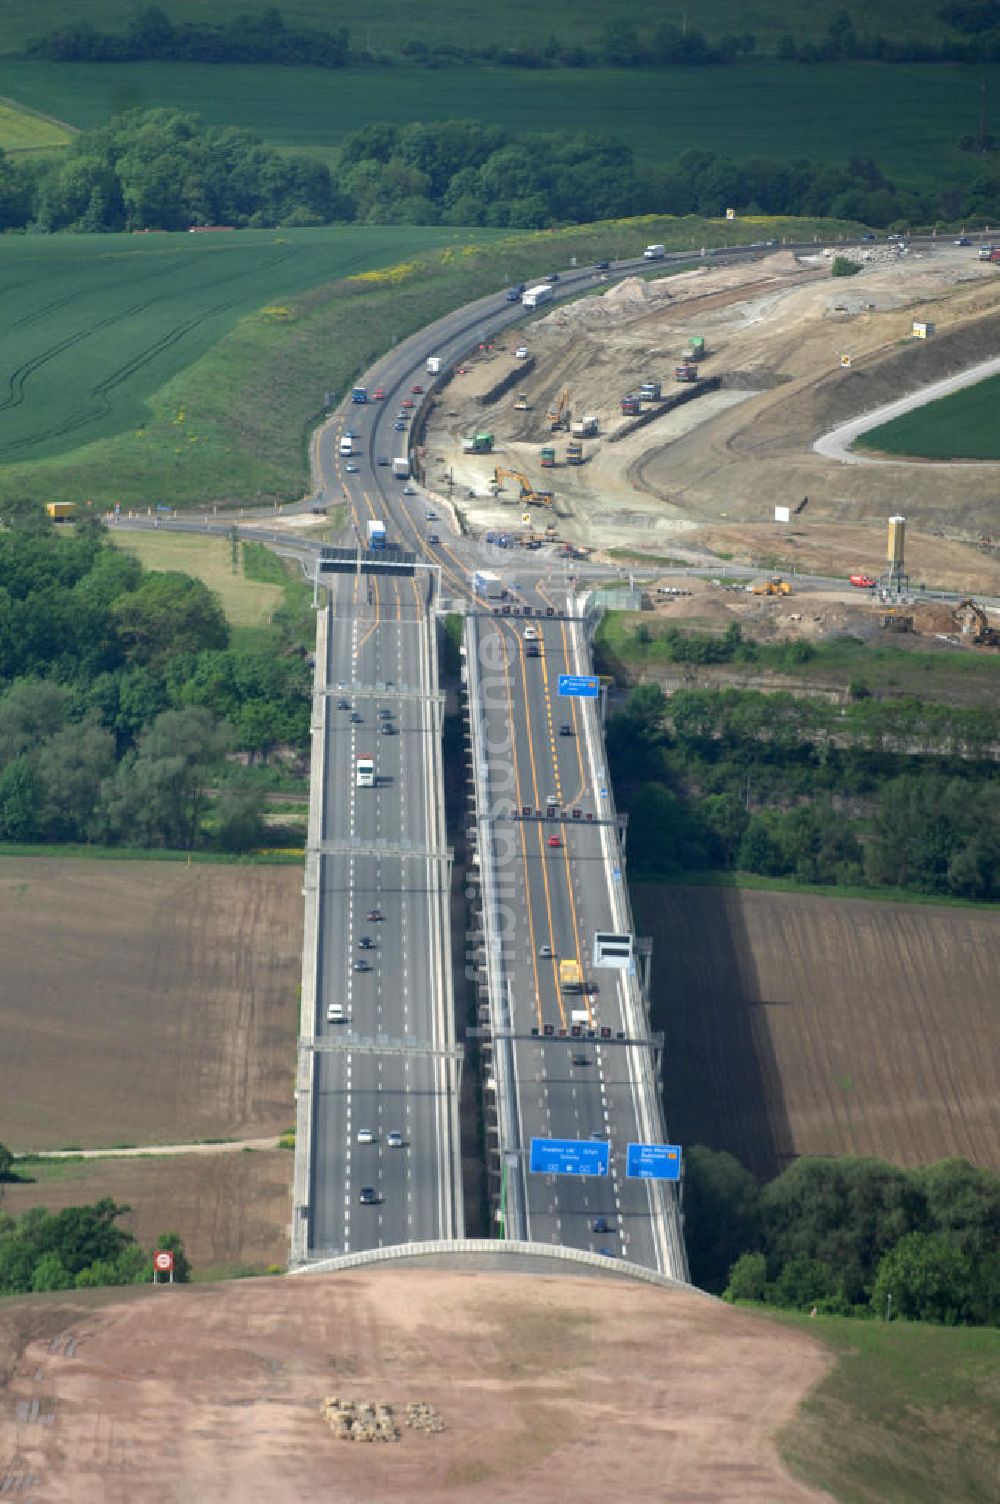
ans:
(163, 1261)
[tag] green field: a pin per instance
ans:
(909, 118)
(93, 325)
(246, 602)
(909, 1415)
(965, 425)
(384, 25)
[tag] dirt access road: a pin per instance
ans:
(776, 332)
(549, 1388)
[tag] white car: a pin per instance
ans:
(521, 353)
(394, 1140)
(351, 468)
(365, 1136)
(335, 1013)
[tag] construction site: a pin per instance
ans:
(673, 419)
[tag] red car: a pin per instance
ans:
(862, 581)
(378, 395)
(417, 390)
(407, 402)
(554, 841)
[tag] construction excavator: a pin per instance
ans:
(774, 586)
(559, 415)
(529, 496)
(973, 623)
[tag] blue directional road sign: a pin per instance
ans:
(570, 1156)
(579, 686)
(653, 1162)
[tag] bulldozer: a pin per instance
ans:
(774, 586)
(559, 415)
(529, 496)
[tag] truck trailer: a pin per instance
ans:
(570, 976)
(376, 533)
(61, 511)
(583, 428)
(532, 297)
(433, 365)
(359, 394)
(654, 253)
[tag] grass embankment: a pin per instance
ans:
(909, 1415)
(246, 602)
(187, 397)
(23, 130)
(643, 889)
(909, 117)
(517, 24)
(947, 675)
(961, 426)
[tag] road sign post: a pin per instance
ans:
(579, 686)
(653, 1162)
(570, 1156)
(163, 1263)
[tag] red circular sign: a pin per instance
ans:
(163, 1261)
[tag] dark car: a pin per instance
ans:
(388, 729)
(343, 704)
(603, 266)
(581, 1059)
(868, 237)
(399, 425)
(368, 1195)
(384, 713)
(433, 538)
(383, 459)
(552, 277)
(356, 718)
(609, 1253)
(362, 965)
(565, 729)
(600, 1224)
(374, 916)
(366, 943)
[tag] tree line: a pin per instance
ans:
(848, 1236)
(898, 794)
(167, 170)
(121, 698)
(75, 1249)
(265, 37)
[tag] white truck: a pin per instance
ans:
(654, 252)
(583, 428)
(533, 296)
(347, 446)
(376, 533)
(401, 467)
(433, 365)
(488, 585)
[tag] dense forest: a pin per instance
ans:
(166, 170)
(972, 36)
(121, 698)
(848, 1236)
(900, 794)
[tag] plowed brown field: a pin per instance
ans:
(806, 1025)
(146, 1002)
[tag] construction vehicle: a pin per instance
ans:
(973, 623)
(480, 443)
(547, 456)
(558, 415)
(686, 371)
(696, 346)
(631, 405)
(774, 586)
(583, 428)
(574, 453)
(650, 391)
(529, 496)
(521, 405)
(488, 585)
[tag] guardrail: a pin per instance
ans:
(508, 1115)
(311, 944)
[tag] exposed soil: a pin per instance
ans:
(146, 1002)
(233, 1211)
(808, 1025)
(776, 331)
(549, 1388)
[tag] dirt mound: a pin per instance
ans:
(547, 1388)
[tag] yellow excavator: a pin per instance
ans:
(558, 416)
(529, 496)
